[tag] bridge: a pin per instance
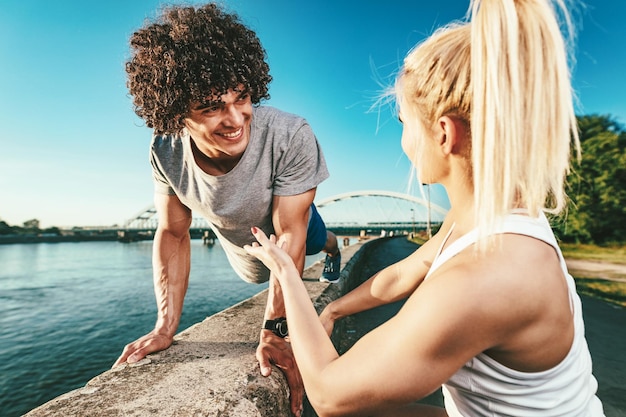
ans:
(379, 210)
(345, 214)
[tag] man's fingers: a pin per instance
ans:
(130, 355)
(279, 353)
(121, 359)
(296, 389)
(139, 354)
(266, 369)
(136, 351)
(128, 350)
(264, 363)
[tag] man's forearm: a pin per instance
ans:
(275, 306)
(171, 264)
(275, 302)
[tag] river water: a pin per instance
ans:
(67, 310)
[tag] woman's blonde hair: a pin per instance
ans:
(506, 74)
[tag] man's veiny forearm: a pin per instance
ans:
(171, 265)
(275, 306)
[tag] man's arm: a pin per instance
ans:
(170, 264)
(290, 216)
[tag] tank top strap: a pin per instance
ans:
(455, 247)
(518, 222)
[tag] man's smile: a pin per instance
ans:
(232, 135)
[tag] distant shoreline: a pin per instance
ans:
(111, 235)
(10, 239)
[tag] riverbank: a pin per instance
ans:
(210, 370)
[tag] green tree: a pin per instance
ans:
(52, 230)
(597, 186)
(5, 229)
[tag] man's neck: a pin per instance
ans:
(215, 166)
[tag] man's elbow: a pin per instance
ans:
(179, 233)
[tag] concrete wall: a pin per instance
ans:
(210, 370)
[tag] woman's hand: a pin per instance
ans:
(327, 321)
(271, 253)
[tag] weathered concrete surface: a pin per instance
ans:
(210, 370)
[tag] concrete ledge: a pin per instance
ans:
(210, 370)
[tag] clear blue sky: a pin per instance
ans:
(72, 152)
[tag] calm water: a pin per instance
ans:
(67, 310)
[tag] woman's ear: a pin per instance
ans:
(449, 134)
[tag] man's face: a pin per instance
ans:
(220, 128)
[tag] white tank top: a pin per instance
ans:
(484, 387)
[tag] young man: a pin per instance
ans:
(197, 76)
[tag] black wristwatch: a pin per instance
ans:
(277, 326)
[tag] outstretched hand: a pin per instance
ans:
(271, 253)
(140, 348)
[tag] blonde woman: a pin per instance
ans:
(491, 313)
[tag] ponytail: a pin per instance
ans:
(522, 119)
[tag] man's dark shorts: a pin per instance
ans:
(316, 232)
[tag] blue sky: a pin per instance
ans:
(72, 152)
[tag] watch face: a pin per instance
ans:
(277, 326)
(281, 328)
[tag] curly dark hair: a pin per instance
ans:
(191, 55)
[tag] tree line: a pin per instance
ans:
(29, 227)
(596, 186)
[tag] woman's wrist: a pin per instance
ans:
(287, 273)
(330, 312)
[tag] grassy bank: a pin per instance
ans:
(613, 292)
(588, 283)
(611, 254)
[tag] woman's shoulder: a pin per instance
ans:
(521, 272)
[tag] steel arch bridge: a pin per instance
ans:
(147, 219)
(367, 209)
(379, 210)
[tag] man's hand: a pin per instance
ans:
(275, 350)
(137, 350)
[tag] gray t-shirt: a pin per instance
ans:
(283, 158)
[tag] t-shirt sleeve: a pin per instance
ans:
(161, 185)
(301, 165)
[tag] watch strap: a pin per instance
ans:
(277, 326)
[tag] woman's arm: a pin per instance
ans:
(395, 282)
(405, 359)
